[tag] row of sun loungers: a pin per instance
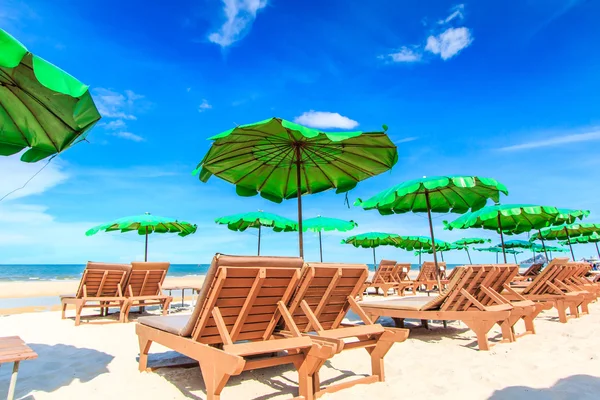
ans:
(258, 312)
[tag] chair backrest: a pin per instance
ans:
(241, 298)
(427, 272)
(327, 289)
(533, 270)
(146, 278)
(540, 284)
(402, 272)
(385, 272)
(497, 277)
(103, 280)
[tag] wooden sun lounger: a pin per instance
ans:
(457, 302)
(402, 278)
(144, 287)
(580, 278)
(240, 304)
(325, 295)
(427, 276)
(531, 272)
(568, 282)
(101, 286)
(544, 289)
(383, 279)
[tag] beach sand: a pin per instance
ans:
(98, 360)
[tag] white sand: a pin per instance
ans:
(99, 360)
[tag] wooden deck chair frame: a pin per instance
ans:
(403, 278)
(383, 279)
(234, 320)
(144, 287)
(569, 283)
(427, 276)
(325, 294)
(457, 302)
(580, 279)
(530, 273)
(101, 286)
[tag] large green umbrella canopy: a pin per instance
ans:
(320, 224)
(593, 238)
(567, 232)
(279, 160)
(42, 108)
(498, 250)
(513, 218)
(465, 242)
(442, 194)
(144, 225)
(257, 219)
(372, 240)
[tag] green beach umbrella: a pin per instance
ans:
(372, 240)
(279, 160)
(320, 224)
(511, 219)
(42, 108)
(439, 194)
(593, 238)
(465, 242)
(422, 244)
(144, 225)
(498, 250)
(566, 232)
(257, 219)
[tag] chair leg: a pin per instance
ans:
(64, 309)
(398, 322)
(144, 349)
(78, 309)
(562, 310)
(166, 306)
(214, 378)
(481, 329)
(507, 326)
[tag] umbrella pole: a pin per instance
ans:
(259, 240)
(551, 256)
(146, 250)
(320, 246)
(532, 249)
(501, 239)
(299, 194)
(468, 255)
(437, 270)
(496, 258)
(570, 245)
(442, 254)
(597, 251)
(374, 259)
(419, 261)
(515, 255)
(543, 245)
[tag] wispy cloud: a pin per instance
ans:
(325, 120)
(20, 172)
(457, 12)
(116, 124)
(566, 7)
(450, 42)
(592, 135)
(405, 55)
(240, 14)
(117, 108)
(128, 136)
(406, 140)
(205, 105)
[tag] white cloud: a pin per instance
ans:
(188, 89)
(406, 55)
(325, 120)
(19, 173)
(240, 14)
(406, 140)
(593, 135)
(450, 42)
(116, 124)
(113, 104)
(128, 136)
(205, 105)
(457, 12)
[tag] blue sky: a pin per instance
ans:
(505, 89)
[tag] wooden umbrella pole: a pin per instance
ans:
(543, 244)
(299, 194)
(146, 250)
(435, 261)
(502, 239)
(259, 239)
(468, 255)
(570, 245)
(320, 246)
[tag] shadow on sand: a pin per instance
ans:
(56, 366)
(580, 387)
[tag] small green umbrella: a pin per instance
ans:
(465, 242)
(42, 108)
(511, 218)
(422, 243)
(283, 160)
(593, 238)
(440, 194)
(257, 219)
(498, 250)
(145, 225)
(372, 240)
(566, 232)
(320, 224)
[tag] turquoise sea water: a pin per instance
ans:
(51, 272)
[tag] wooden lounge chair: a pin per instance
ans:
(240, 304)
(427, 276)
(144, 287)
(530, 273)
(457, 302)
(580, 278)
(568, 282)
(101, 286)
(325, 295)
(384, 278)
(402, 278)
(544, 289)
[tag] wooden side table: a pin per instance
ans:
(13, 349)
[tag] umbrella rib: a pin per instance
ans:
(260, 165)
(228, 156)
(367, 158)
(275, 167)
(13, 120)
(320, 169)
(342, 161)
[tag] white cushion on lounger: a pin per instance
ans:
(169, 323)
